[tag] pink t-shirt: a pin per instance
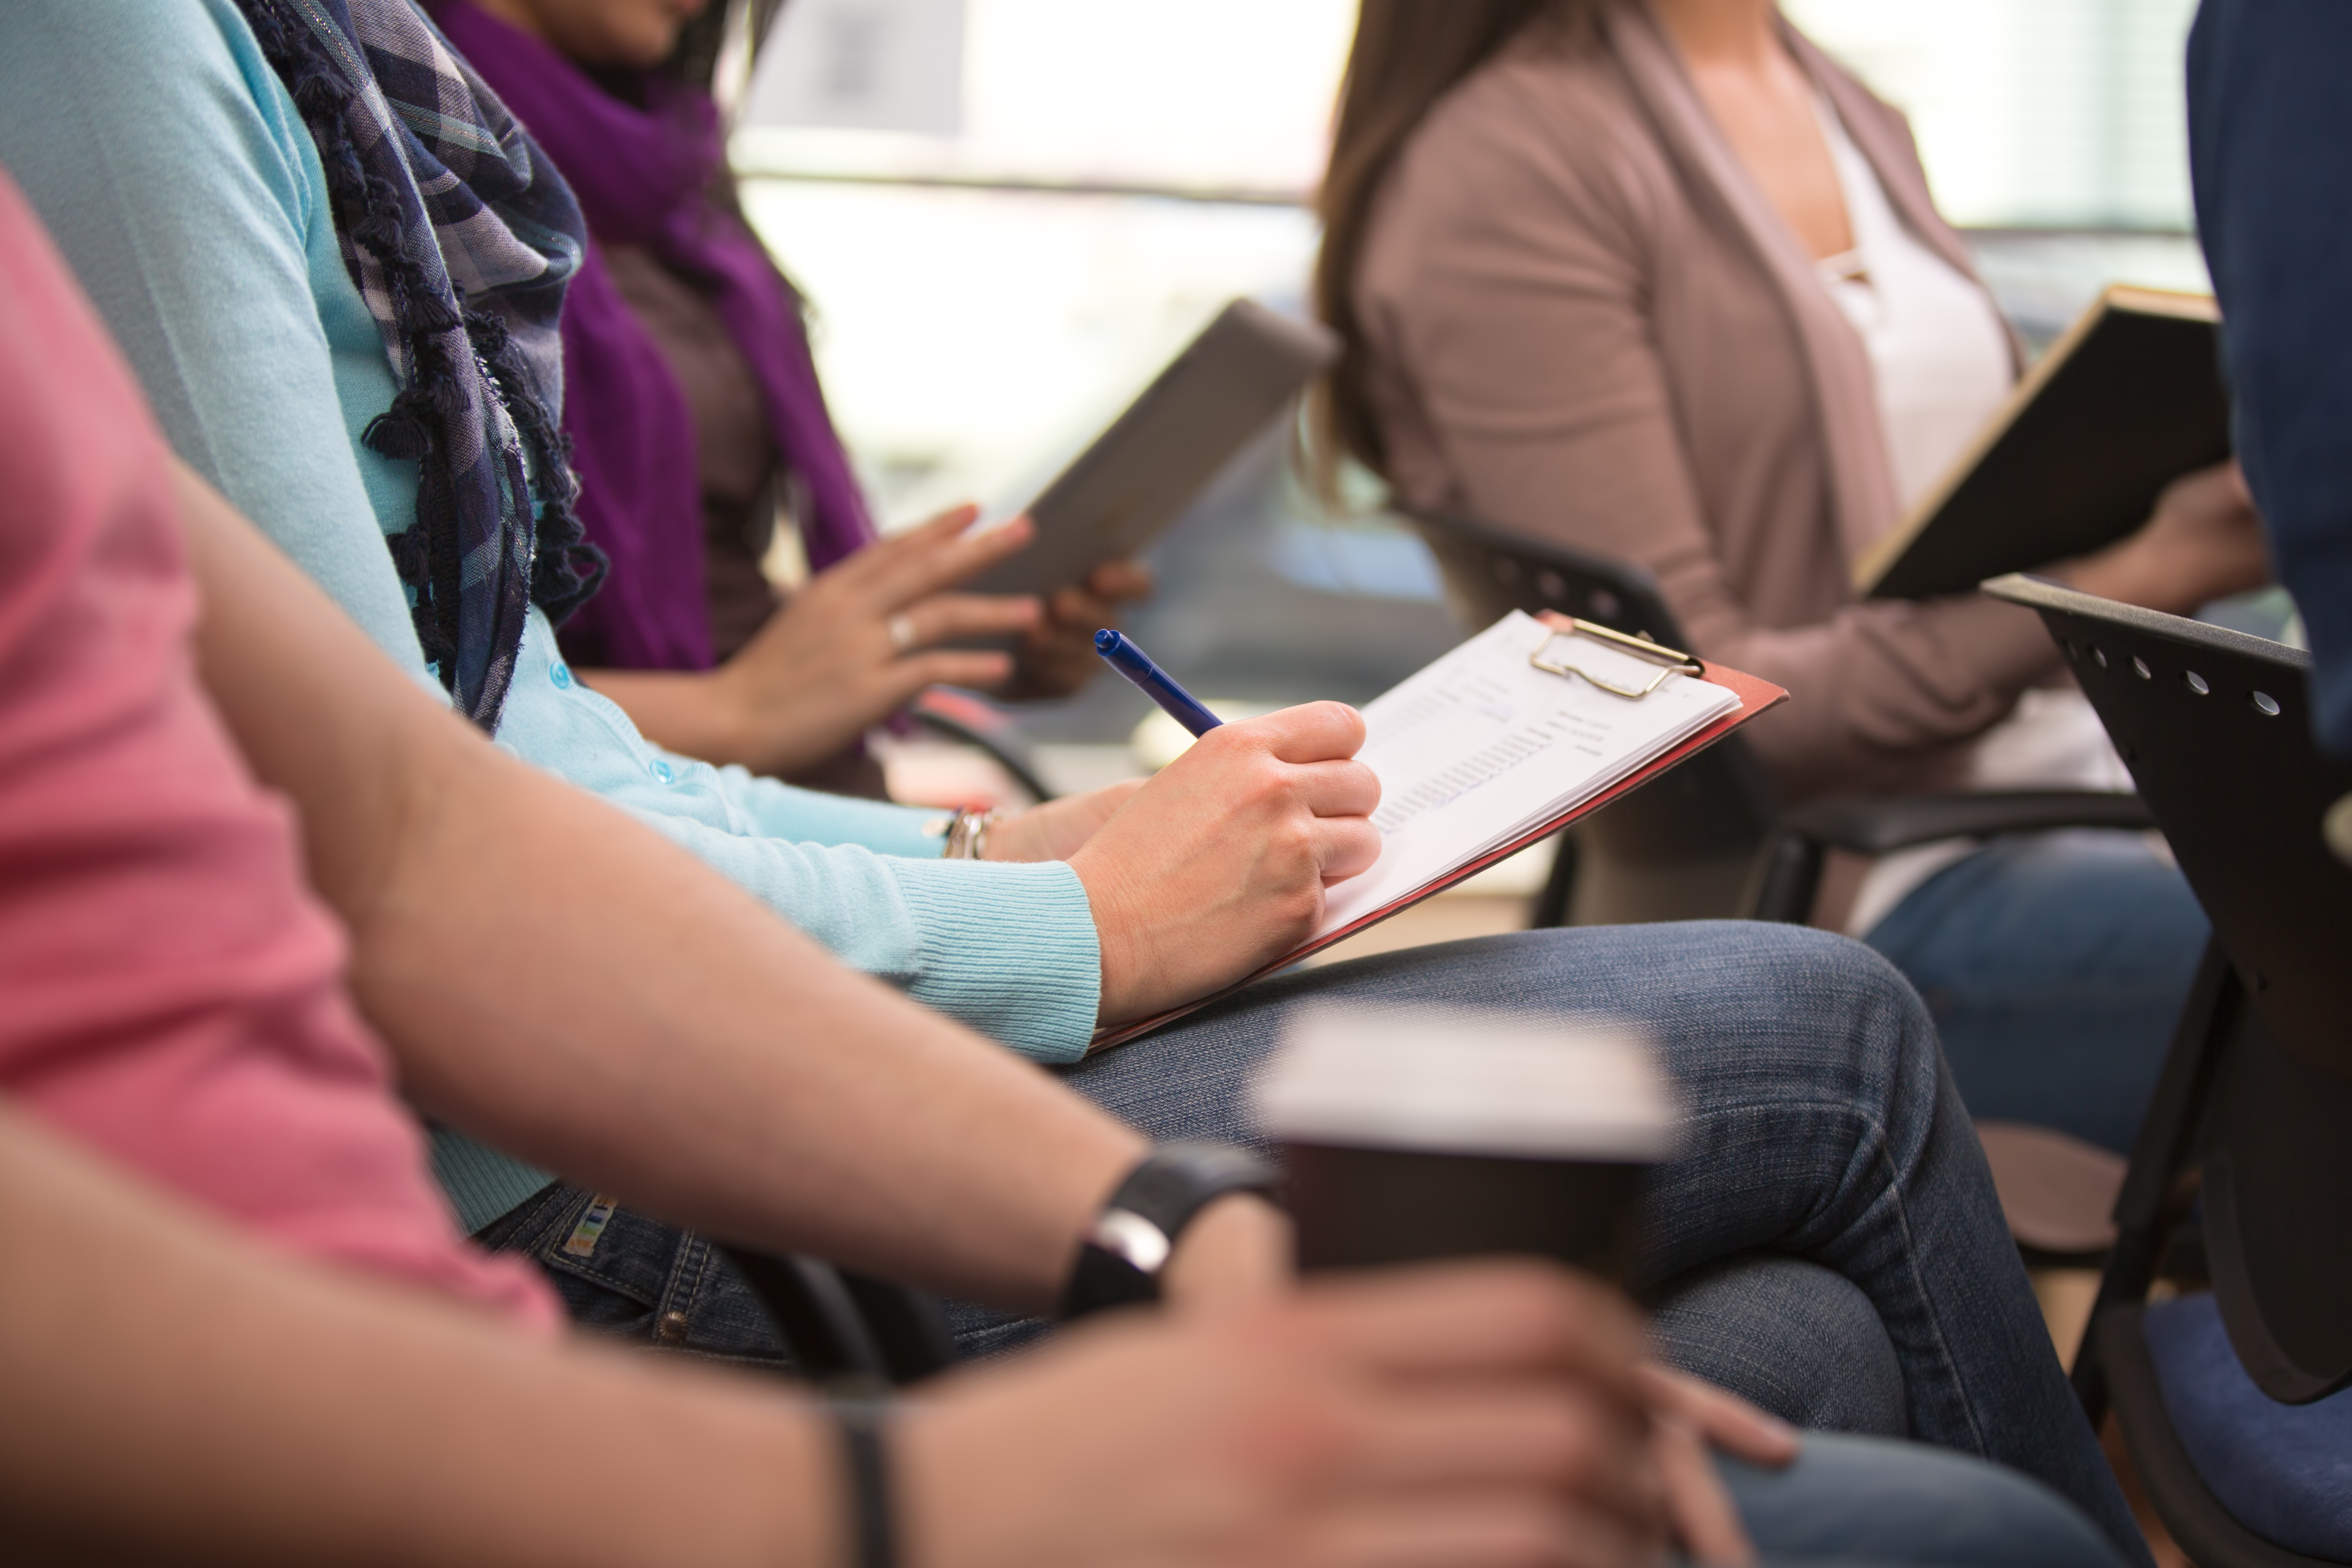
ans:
(170, 991)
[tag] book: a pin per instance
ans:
(1500, 745)
(2129, 399)
(1229, 385)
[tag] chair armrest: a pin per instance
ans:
(1880, 826)
(1788, 872)
(965, 720)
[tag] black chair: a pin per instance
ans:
(2242, 1173)
(1710, 838)
(970, 722)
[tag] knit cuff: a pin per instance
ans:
(1010, 948)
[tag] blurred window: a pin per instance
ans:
(2030, 113)
(1007, 214)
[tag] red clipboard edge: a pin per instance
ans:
(1756, 697)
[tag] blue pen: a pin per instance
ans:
(1122, 654)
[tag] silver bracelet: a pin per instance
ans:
(968, 835)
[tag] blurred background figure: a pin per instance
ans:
(2269, 139)
(1005, 212)
(696, 415)
(1665, 284)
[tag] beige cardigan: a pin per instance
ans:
(1587, 324)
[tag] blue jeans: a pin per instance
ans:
(1851, 1500)
(1822, 1128)
(2055, 965)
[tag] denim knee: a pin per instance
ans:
(1792, 1337)
(1870, 1500)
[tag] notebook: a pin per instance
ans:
(1503, 741)
(2128, 401)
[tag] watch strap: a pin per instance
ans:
(1121, 1257)
(872, 1511)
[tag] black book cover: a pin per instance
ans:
(2128, 401)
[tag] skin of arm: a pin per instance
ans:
(177, 1395)
(230, 1404)
(692, 1060)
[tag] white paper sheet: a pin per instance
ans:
(1481, 746)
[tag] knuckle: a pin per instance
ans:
(1566, 1441)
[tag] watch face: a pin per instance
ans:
(1103, 1279)
(1128, 1235)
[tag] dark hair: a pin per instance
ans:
(695, 62)
(1408, 54)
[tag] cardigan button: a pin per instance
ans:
(664, 771)
(562, 677)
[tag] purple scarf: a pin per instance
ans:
(644, 177)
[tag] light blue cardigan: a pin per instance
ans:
(176, 175)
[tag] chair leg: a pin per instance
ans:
(1786, 877)
(815, 1311)
(2155, 1196)
(1560, 888)
(909, 1327)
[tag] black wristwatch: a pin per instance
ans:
(1131, 1241)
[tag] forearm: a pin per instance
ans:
(703, 1059)
(176, 1394)
(559, 981)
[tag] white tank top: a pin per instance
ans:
(1939, 358)
(1937, 349)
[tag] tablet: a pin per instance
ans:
(1228, 384)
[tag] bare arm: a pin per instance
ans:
(569, 986)
(191, 1396)
(177, 1395)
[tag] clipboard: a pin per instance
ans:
(1756, 697)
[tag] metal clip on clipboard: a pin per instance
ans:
(1674, 661)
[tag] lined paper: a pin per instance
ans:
(1481, 746)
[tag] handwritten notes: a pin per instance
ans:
(1481, 747)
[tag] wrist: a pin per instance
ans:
(868, 1531)
(1016, 837)
(731, 718)
(1114, 950)
(1239, 1250)
(1129, 1250)
(2112, 573)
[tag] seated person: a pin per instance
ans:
(1659, 280)
(175, 998)
(214, 225)
(2264, 143)
(680, 337)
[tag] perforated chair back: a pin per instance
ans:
(1680, 848)
(2215, 727)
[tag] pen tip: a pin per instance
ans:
(1106, 640)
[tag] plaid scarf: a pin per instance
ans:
(461, 237)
